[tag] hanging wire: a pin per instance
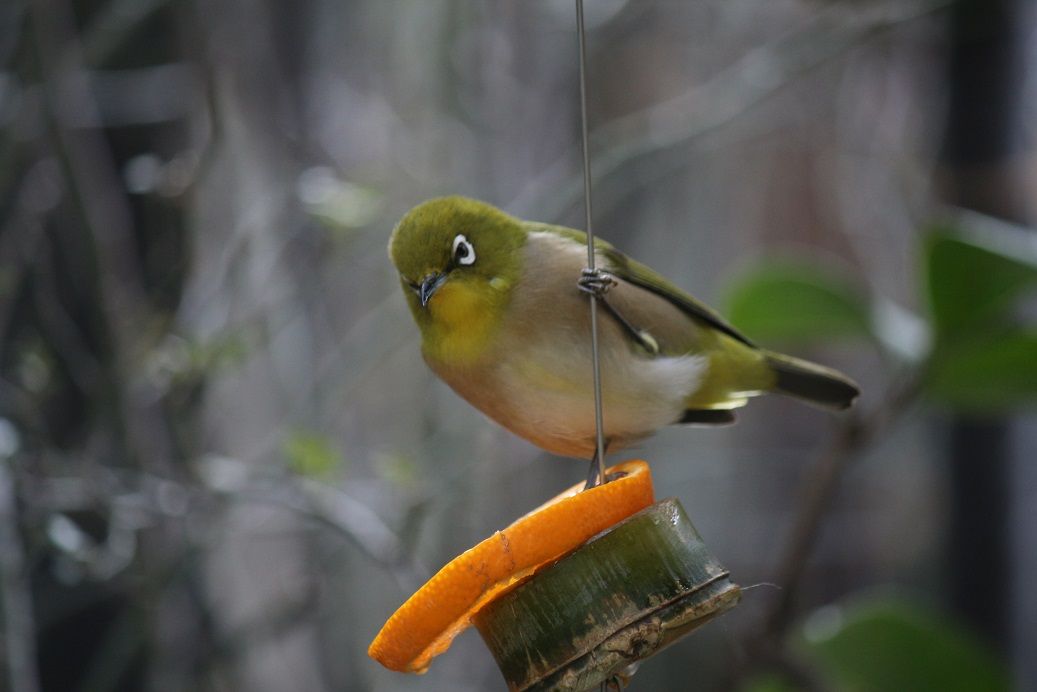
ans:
(599, 424)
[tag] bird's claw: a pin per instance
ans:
(596, 282)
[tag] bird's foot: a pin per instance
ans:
(596, 471)
(592, 475)
(596, 282)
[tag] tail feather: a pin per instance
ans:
(813, 383)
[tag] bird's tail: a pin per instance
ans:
(810, 382)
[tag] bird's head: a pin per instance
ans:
(458, 259)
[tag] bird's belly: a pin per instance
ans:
(546, 395)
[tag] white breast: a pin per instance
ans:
(545, 376)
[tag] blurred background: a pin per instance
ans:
(223, 463)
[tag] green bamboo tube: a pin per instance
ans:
(621, 597)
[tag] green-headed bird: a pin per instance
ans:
(504, 321)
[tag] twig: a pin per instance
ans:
(19, 625)
(767, 647)
(350, 518)
(97, 191)
(821, 484)
(856, 433)
(113, 24)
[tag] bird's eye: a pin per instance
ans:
(464, 253)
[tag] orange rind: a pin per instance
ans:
(425, 625)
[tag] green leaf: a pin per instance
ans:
(893, 645)
(797, 301)
(990, 373)
(973, 278)
(311, 454)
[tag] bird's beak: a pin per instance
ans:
(429, 285)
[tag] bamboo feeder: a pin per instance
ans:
(589, 618)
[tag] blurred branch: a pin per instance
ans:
(856, 433)
(90, 170)
(59, 328)
(654, 136)
(311, 499)
(230, 480)
(13, 258)
(350, 518)
(19, 638)
(98, 193)
(113, 24)
(121, 643)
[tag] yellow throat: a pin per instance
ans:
(463, 317)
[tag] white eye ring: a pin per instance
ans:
(464, 252)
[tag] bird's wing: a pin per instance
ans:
(646, 278)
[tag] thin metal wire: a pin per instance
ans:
(599, 423)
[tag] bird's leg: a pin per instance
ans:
(593, 477)
(592, 473)
(596, 282)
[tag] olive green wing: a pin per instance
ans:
(738, 368)
(644, 277)
(663, 320)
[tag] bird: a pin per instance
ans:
(502, 307)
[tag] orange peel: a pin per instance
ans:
(425, 625)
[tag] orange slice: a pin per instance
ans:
(426, 624)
